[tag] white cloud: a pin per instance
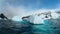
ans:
(11, 11)
(20, 11)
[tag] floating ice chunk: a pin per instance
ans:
(16, 18)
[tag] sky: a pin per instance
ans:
(21, 8)
(35, 4)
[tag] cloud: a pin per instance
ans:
(21, 11)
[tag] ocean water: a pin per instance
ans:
(43, 29)
(25, 27)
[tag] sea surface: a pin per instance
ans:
(25, 27)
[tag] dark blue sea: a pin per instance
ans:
(25, 27)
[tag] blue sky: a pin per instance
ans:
(38, 4)
(31, 4)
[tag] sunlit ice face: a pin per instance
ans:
(54, 15)
(39, 19)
